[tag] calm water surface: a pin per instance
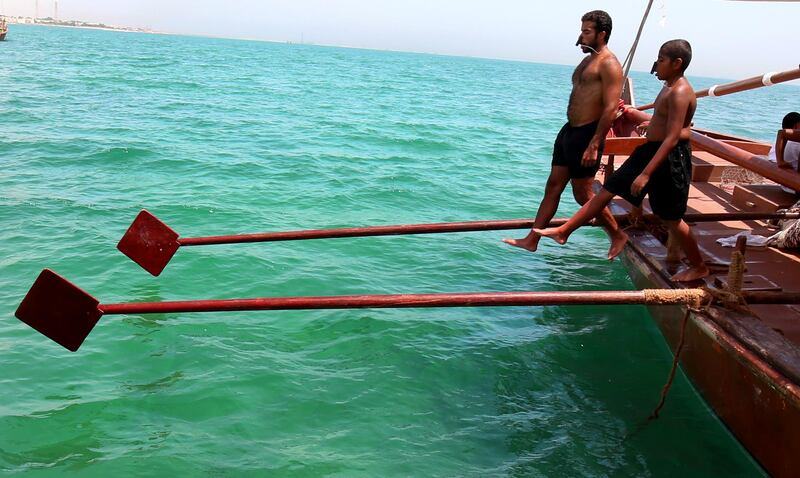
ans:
(221, 137)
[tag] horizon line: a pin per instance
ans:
(143, 30)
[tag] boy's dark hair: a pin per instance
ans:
(602, 21)
(790, 120)
(678, 49)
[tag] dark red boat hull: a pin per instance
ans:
(759, 404)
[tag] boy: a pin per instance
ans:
(661, 167)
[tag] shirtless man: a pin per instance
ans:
(661, 167)
(593, 103)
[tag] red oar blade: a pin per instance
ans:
(60, 310)
(149, 243)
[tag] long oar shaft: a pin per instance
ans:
(67, 314)
(151, 243)
(470, 299)
(437, 228)
(392, 230)
(481, 299)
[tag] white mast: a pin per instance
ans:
(55, 9)
(36, 12)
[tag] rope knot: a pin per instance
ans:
(731, 295)
(693, 298)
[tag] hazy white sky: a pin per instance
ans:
(730, 39)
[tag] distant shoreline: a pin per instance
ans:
(51, 22)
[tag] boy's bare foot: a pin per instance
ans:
(553, 233)
(673, 251)
(618, 242)
(691, 274)
(672, 258)
(635, 219)
(530, 242)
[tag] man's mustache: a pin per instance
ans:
(578, 43)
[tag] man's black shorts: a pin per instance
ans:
(569, 147)
(668, 186)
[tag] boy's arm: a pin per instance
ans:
(611, 76)
(678, 103)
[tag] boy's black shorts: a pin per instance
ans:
(668, 186)
(569, 147)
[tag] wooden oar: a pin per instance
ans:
(151, 243)
(66, 314)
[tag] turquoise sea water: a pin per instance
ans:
(221, 136)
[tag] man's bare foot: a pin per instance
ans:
(618, 242)
(553, 233)
(530, 242)
(691, 274)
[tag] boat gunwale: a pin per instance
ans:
(737, 327)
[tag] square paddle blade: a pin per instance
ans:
(149, 243)
(60, 310)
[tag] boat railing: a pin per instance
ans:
(747, 160)
(746, 154)
(626, 145)
(767, 79)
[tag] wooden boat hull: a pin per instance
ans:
(3, 36)
(758, 403)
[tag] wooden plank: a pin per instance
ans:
(625, 146)
(761, 149)
(622, 146)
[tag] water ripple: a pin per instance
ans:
(219, 137)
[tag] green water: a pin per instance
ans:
(221, 137)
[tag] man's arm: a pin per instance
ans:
(636, 116)
(639, 118)
(678, 102)
(784, 135)
(611, 79)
